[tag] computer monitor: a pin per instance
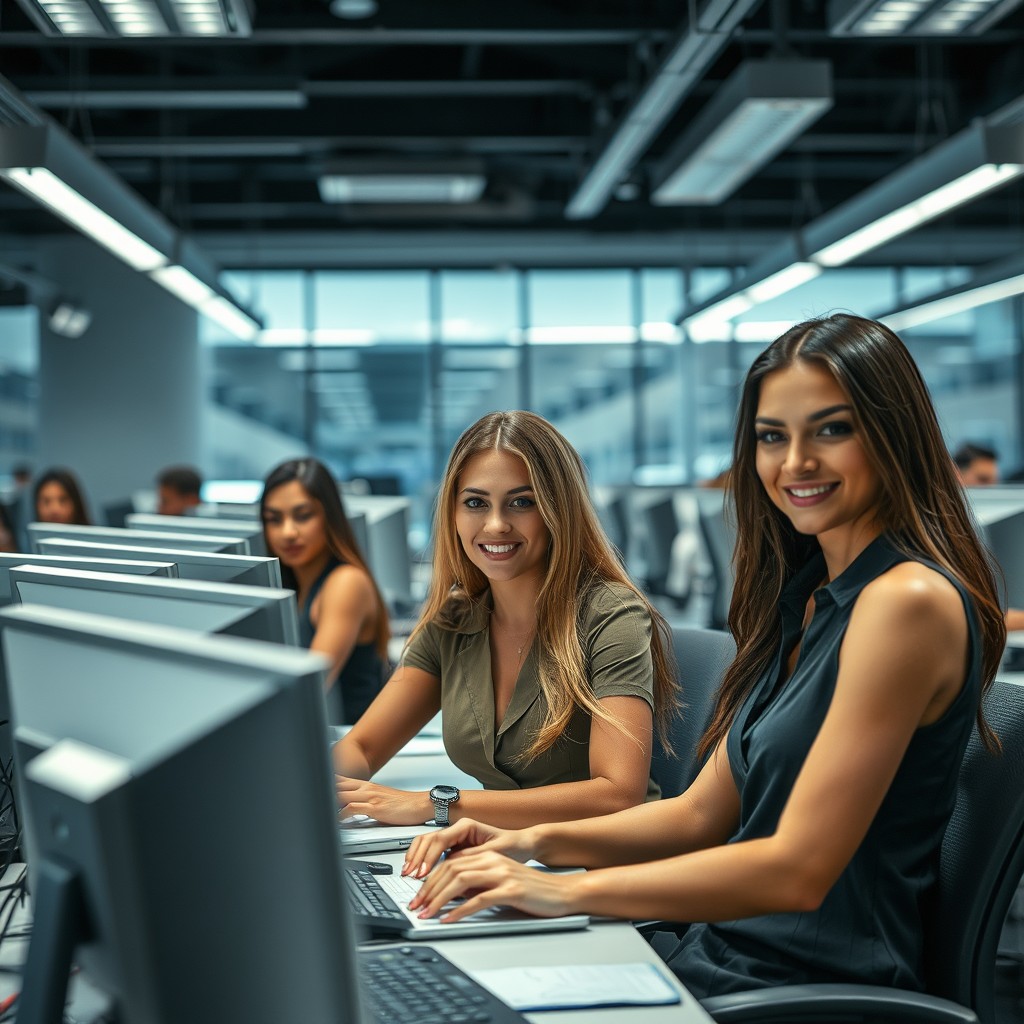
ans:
(9, 559)
(250, 531)
(192, 565)
(717, 518)
(113, 535)
(387, 542)
(654, 514)
(1002, 527)
(259, 613)
(184, 849)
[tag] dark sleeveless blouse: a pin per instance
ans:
(869, 928)
(360, 679)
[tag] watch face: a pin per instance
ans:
(444, 793)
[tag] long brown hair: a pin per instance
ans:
(922, 504)
(579, 557)
(318, 483)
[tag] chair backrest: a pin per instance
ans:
(981, 862)
(702, 656)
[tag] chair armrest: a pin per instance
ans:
(834, 1002)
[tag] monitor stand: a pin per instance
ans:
(58, 926)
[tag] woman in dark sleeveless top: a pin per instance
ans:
(341, 613)
(867, 628)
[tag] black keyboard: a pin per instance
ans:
(371, 907)
(416, 985)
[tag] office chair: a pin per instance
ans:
(702, 656)
(981, 864)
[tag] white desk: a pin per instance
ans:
(603, 942)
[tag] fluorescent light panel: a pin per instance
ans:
(183, 283)
(140, 18)
(991, 283)
(752, 117)
(45, 187)
(977, 160)
(709, 323)
(906, 218)
(915, 17)
(401, 188)
(230, 317)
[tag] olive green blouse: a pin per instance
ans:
(616, 633)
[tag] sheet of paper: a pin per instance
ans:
(579, 985)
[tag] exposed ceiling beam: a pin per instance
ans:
(143, 94)
(574, 247)
(301, 145)
(688, 58)
(515, 35)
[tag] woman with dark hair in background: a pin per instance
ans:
(341, 611)
(57, 498)
(867, 629)
(551, 669)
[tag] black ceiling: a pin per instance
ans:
(530, 88)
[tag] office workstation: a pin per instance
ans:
(347, 231)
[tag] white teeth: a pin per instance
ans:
(498, 549)
(809, 492)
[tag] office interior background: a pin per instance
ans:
(420, 213)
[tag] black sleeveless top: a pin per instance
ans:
(361, 677)
(869, 928)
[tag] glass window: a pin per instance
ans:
(364, 308)
(586, 391)
(479, 306)
(580, 306)
(473, 383)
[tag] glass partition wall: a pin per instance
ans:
(378, 372)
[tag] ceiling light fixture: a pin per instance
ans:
(140, 18)
(386, 182)
(751, 118)
(972, 163)
(879, 18)
(687, 60)
(993, 283)
(49, 166)
(353, 9)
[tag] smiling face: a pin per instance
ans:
(294, 525)
(811, 459)
(497, 518)
(54, 504)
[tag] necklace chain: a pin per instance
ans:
(519, 639)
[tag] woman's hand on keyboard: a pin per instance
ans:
(463, 836)
(489, 879)
(388, 806)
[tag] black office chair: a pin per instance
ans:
(981, 865)
(702, 656)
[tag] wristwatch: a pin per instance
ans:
(441, 797)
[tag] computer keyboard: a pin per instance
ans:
(370, 906)
(416, 985)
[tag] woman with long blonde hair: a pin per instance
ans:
(550, 667)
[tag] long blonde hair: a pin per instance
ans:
(580, 556)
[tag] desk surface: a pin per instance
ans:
(603, 942)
